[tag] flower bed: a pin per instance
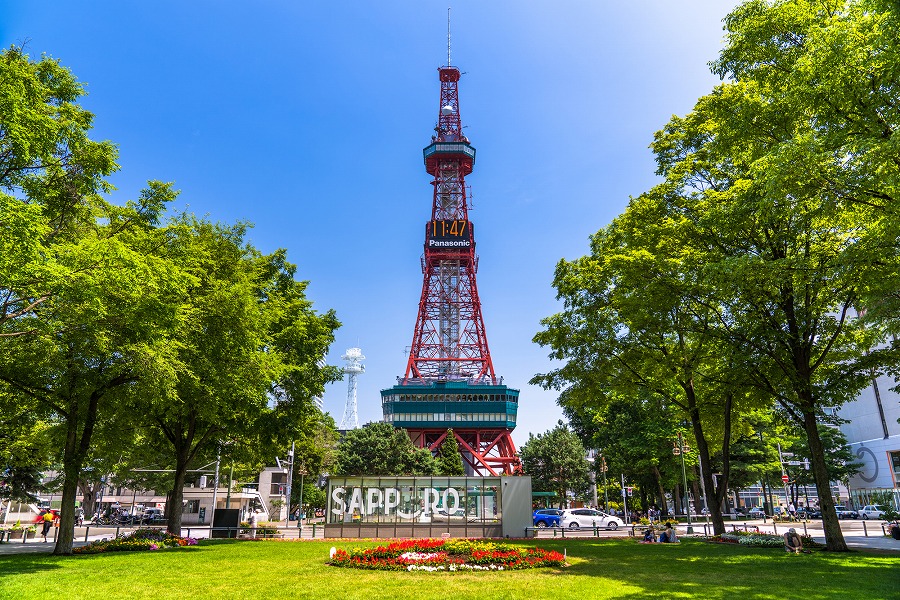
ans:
(447, 555)
(759, 540)
(140, 539)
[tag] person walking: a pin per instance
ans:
(253, 524)
(47, 523)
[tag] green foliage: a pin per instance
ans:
(449, 460)
(764, 268)
(888, 505)
(380, 449)
(556, 461)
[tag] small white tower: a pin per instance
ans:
(354, 367)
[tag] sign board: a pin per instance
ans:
(785, 478)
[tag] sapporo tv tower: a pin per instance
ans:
(450, 381)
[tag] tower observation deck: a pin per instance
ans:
(450, 381)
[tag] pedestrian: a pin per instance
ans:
(253, 524)
(47, 523)
(792, 510)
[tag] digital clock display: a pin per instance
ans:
(448, 234)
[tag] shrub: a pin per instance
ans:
(139, 539)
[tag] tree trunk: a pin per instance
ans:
(174, 506)
(834, 537)
(713, 495)
(660, 492)
(88, 490)
(76, 448)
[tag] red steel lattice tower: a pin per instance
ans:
(450, 381)
(449, 341)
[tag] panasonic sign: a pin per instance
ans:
(432, 243)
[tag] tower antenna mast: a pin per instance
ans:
(448, 36)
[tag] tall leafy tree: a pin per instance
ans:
(637, 325)
(381, 449)
(787, 179)
(556, 461)
(247, 357)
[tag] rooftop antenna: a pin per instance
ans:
(448, 36)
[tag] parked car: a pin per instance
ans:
(152, 515)
(757, 513)
(846, 513)
(587, 517)
(872, 511)
(547, 517)
(804, 512)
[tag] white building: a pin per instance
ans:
(873, 435)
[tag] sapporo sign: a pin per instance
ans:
(350, 500)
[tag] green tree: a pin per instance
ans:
(247, 362)
(784, 181)
(380, 449)
(637, 324)
(449, 460)
(556, 461)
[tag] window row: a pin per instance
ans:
(450, 398)
(458, 417)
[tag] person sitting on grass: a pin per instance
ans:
(649, 536)
(668, 536)
(792, 542)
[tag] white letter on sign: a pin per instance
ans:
(432, 496)
(391, 500)
(375, 498)
(355, 501)
(337, 494)
(448, 493)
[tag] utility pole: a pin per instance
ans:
(679, 449)
(603, 469)
(290, 479)
(212, 517)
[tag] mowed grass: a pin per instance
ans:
(599, 569)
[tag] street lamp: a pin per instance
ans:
(302, 514)
(603, 469)
(679, 449)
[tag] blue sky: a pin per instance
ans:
(308, 119)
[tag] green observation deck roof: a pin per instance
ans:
(450, 405)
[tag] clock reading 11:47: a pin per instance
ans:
(449, 228)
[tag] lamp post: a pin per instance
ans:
(679, 449)
(302, 513)
(290, 481)
(603, 469)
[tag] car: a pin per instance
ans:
(872, 511)
(577, 518)
(547, 517)
(757, 513)
(152, 515)
(845, 513)
(805, 512)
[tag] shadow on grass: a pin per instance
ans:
(42, 562)
(698, 569)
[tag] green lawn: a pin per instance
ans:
(599, 569)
